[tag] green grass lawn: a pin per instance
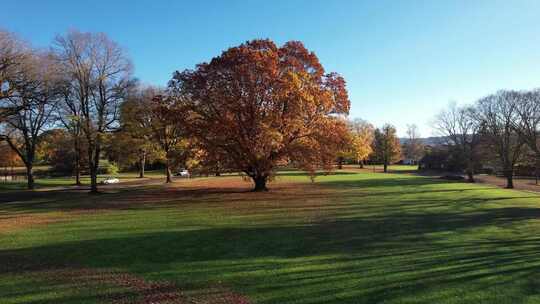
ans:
(347, 238)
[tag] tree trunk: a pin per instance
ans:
(470, 176)
(78, 172)
(77, 163)
(470, 172)
(142, 163)
(385, 167)
(27, 157)
(93, 160)
(260, 183)
(361, 164)
(509, 173)
(537, 168)
(93, 178)
(168, 171)
(30, 176)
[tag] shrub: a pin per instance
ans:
(107, 167)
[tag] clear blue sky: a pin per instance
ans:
(403, 60)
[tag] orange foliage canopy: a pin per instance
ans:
(258, 105)
(8, 157)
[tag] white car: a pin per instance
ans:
(110, 180)
(183, 173)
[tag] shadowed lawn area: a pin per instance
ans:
(347, 238)
(43, 183)
(380, 168)
(52, 182)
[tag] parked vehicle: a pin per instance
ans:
(110, 180)
(183, 173)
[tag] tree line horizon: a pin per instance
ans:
(251, 109)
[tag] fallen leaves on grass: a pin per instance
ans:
(115, 287)
(16, 222)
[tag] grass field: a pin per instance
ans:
(347, 238)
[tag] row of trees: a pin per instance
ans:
(252, 108)
(501, 130)
(380, 145)
(249, 110)
(79, 83)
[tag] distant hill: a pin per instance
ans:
(431, 141)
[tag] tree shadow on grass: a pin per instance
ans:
(350, 193)
(383, 239)
(318, 174)
(357, 260)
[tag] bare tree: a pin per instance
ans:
(35, 97)
(13, 53)
(69, 114)
(460, 128)
(498, 114)
(528, 124)
(413, 147)
(99, 74)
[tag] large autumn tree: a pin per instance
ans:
(258, 104)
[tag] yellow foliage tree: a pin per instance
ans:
(361, 141)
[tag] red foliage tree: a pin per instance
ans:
(257, 105)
